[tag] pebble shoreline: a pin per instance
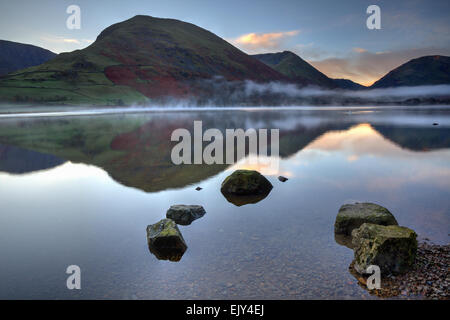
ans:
(429, 278)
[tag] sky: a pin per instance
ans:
(331, 35)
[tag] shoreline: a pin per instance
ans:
(429, 278)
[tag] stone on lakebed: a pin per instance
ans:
(165, 240)
(352, 216)
(392, 248)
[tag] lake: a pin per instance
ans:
(81, 188)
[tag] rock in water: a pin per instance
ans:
(185, 214)
(392, 248)
(246, 182)
(245, 187)
(165, 240)
(352, 216)
(282, 179)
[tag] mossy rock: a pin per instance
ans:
(246, 183)
(352, 216)
(185, 214)
(165, 240)
(392, 248)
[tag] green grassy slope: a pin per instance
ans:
(132, 61)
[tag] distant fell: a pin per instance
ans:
(427, 70)
(15, 56)
(301, 72)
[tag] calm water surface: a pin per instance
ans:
(82, 189)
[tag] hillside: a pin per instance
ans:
(294, 67)
(15, 56)
(348, 84)
(428, 70)
(140, 58)
(301, 72)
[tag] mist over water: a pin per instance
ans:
(218, 92)
(292, 90)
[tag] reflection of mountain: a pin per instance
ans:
(416, 138)
(18, 160)
(136, 149)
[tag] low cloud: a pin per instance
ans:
(262, 42)
(291, 90)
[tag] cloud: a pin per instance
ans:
(359, 50)
(66, 40)
(366, 67)
(261, 42)
(60, 44)
(71, 41)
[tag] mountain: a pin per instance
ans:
(15, 56)
(428, 70)
(301, 72)
(294, 67)
(348, 84)
(140, 58)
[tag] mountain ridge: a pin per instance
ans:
(152, 60)
(425, 70)
(136, 60)
(15, 56)
(303, 73)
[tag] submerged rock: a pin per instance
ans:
(392, 248)
(246, 182)
(185, 214)
(198, 188)
(165, 240)
(352, 216)
(282, 179)
(343, 240)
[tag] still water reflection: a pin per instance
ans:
(78, 190)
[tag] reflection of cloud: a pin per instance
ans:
(366, 67)
(259, 42)
(357, 141)
(362, 142)
(268, 166)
